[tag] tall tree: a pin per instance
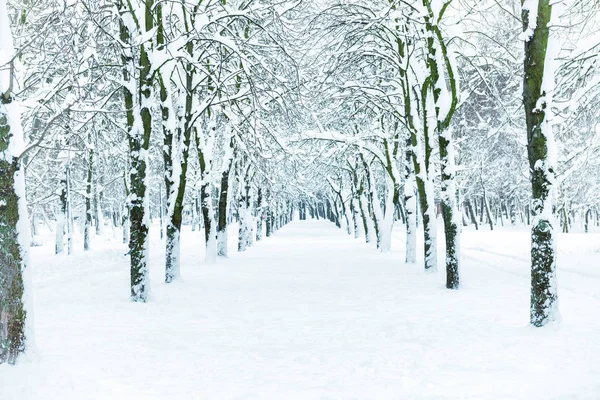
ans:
(441, 70)
(138, 98)
(14, 223)
(538, 87)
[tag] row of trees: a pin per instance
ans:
(393, 104)
(362, 112)
(132, 91)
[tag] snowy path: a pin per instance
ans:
(310, 314)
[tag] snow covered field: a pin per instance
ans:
(311, 313)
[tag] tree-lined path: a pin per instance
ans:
(274, 199)
(309, 313)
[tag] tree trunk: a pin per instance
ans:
(441, 73)
(137, 96)
(565, 219)
(210, 238)
(425, 191)
(194, 213)
(481, 211)
(488, 213)
(587, 220)
(14, 226)
(69, 210)
(98, 198)
(176, 185)
(160, 211)
(222, 214)
(125, 224)
(472, 214)
(245, 225)
(512, 210)
(335, 214)
(364, 212)
(355, 215)
(347, 219)
(542, 162)
(88, 199)
(410, 201)
(268, 222)
(61, 219)
(259, 214)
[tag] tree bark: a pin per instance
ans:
(410, 201)
(223, 206)
(137, 105)
(14, 226)
(259, 214)
(472, 214)
(542, 163)
(88, 199)
(485, 206)
(98, 198)
(61, 218)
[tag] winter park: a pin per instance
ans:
(273, 199)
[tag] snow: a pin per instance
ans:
(11, 114)
(24, 240)
(411, 217)
(222, 241)
(364, 207)
(210, 255)
(310, 313)
(545, 210)
(7, 50)
(60, 229)
(531, 6)
(326, 135)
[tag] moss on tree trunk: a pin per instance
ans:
(12, 263)
(543, 258)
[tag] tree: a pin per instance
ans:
(445, 103)
(538, 88)
(14, 223)
(137, 97)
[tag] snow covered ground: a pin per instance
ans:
(311, 313)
